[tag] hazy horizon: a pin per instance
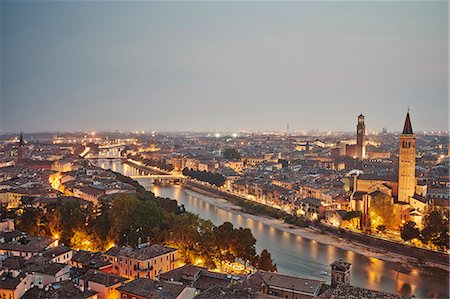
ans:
(223, 67)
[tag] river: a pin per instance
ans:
(303, 257)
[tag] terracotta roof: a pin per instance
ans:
(292, 283)
(375, 177)
(64, 289)
(33, 244)
(103, 278)
(148, 288)
(13, 263)
(184, 274)
(346, 292)
(56, 251)
(218, 292)
(9, 282)
(208, 279)
(141, 254)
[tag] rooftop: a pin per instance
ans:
(148, 288)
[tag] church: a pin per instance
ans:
(407, 197)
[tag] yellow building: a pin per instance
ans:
(145, 261)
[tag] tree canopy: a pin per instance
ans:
(409, 231)
(435, 228)
(382, 212)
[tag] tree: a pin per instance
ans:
(381, 228)
(243, 244)
(382, 211)
(409, 231)
(435, 228)
(82, 240)
(120, 215)
(27, 222)
(265, 262)
(205, 176)
(232, 154)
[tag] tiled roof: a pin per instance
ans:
(142, 254)
(9, 282)
(103, 278)
(183, 274)
(56, 251)
(148, 288)
(64, 289)
(298, 284)
(217, 292)
(347, 292)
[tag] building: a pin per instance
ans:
(144, 261)
(340, 273)
(105, 284)
(16, 243)
(407, 163)
(14, 284)
(20, 151)
(361, 137)
(408, 197)
(64, 289)
(285, 286)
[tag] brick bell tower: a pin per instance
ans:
(20, 150)
(407, 162)
(361, 137)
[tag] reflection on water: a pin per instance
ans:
(299, 256)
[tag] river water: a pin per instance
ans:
(303, 257)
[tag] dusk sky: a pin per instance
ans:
(209, 66)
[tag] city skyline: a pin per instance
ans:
(223, 66)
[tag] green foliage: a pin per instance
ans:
(409, 231)
(382, 206)
(295, 220)
(142, 217)
(205, 176)
(29, 221)
(232, 154)
(265, 262)
(66, 217)
(436, 228)
(132, 219)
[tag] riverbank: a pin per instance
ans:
(314, 234)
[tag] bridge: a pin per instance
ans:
(161, 178)
(109, 151)
(158, 176)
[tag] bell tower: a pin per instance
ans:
(20, 149)
(361, 137)
(407, 162)
(340, 273)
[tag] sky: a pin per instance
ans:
(223, 66)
